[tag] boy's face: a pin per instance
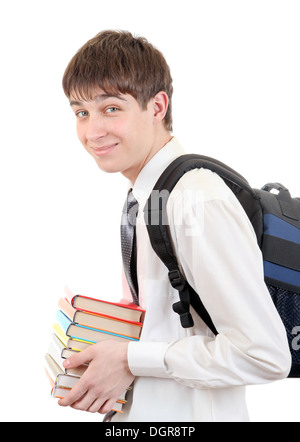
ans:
(116, 132)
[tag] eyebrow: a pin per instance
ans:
(100, 98)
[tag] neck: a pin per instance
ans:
(159, 143)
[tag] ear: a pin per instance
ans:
(160, 106)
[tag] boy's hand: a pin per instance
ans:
(105, 379)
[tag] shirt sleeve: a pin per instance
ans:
(217, 249)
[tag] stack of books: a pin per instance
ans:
(81, 322)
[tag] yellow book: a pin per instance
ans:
(78, 344)
(60, 333)
(67, 341)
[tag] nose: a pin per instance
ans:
(96, 129)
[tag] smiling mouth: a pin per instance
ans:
(105, 150)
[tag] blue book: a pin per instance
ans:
(93, 335)
(63, 321)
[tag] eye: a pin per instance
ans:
(81, 114)
(111, 110)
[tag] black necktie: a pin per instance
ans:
(128, 242)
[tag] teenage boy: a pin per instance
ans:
(120, 90)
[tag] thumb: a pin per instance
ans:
(83, 357)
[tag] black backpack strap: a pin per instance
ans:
(157, 226)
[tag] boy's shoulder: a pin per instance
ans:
(202, 184)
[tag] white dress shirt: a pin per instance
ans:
(189, 375)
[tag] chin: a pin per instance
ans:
(107, 168)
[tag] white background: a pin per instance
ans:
(236, 71)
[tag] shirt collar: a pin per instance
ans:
(149, 175)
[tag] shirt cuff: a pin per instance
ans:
(148, 359)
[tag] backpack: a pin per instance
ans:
(276, 222)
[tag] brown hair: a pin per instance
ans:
(118, 62)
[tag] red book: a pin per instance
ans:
(123, 312)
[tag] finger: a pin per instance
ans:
(107, 406)
(95, 407)
(75, 394)
(81, 358)
(86, 402)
